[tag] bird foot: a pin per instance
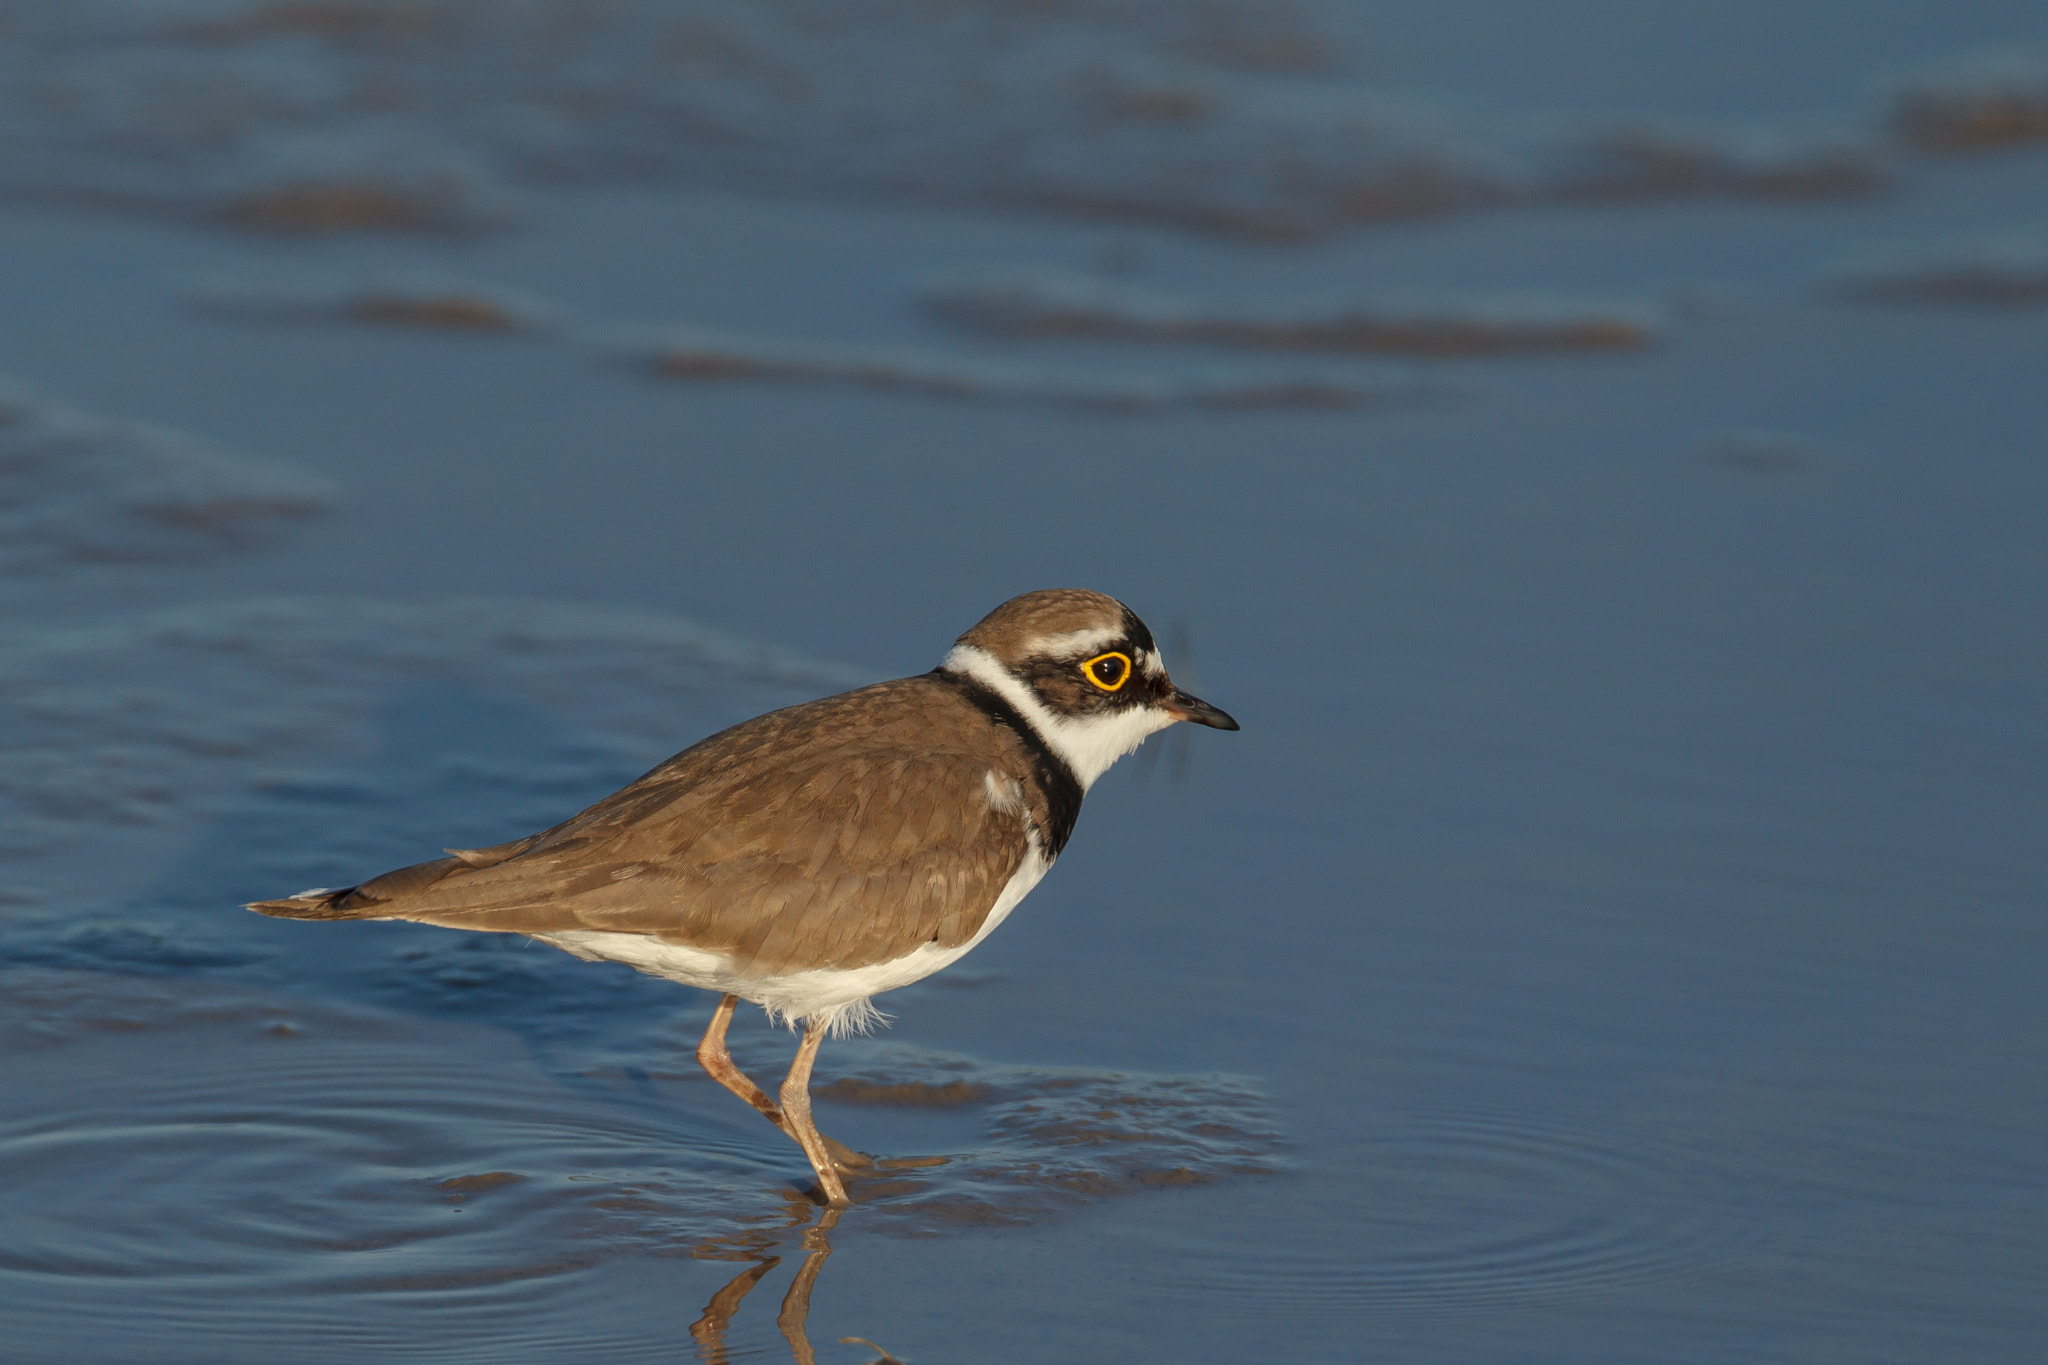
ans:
(845, 1158)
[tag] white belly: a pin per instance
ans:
(837, 998)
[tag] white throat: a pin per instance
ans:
(1089, 746)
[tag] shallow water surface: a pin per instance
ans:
(1615, 935)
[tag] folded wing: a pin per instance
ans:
(826, 835)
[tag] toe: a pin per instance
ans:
(845, 1158)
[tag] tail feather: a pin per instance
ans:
(371, 900)
(321, 904)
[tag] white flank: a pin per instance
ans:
(834, 998)
(1089, 745)
(1005, 795)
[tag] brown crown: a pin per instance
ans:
(1009, 629)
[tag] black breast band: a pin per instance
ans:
(1062, 789)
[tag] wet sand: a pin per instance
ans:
(1614, 936)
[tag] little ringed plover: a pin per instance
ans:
(814, 857)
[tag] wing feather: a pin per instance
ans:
(840, 833)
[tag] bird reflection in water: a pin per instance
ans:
(708, 1331)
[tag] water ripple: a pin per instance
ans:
(237, 1162)
(1474, 1209)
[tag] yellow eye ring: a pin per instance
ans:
(1108, 671)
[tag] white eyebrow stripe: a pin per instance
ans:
(1073, 642)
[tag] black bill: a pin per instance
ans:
(1184, 707)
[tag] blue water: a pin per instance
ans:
(1615, 934)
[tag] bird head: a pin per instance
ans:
(1083, 670)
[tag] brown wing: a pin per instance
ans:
(839, 833)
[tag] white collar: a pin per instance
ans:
(1087, 746)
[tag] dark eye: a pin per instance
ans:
(1108, 671)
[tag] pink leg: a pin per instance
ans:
(796, 1118)
(712, 1056)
